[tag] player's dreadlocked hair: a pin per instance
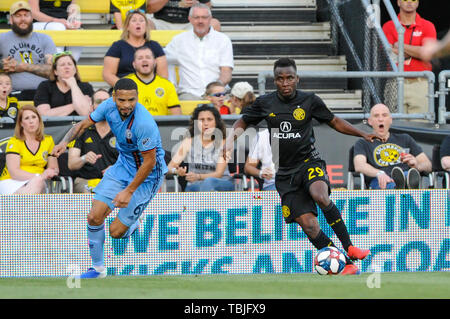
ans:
(284, 62)
(125, 84)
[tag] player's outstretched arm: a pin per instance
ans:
(123, 198)
(72, 134)
(238, 128)
(344, 127)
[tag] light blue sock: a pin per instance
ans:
(96, 237)
(131, 229)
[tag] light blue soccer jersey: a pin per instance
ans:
(137, 133)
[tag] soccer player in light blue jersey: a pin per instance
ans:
(133, 180)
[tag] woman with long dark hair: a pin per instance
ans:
(202, 151)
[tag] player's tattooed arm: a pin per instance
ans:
(74, 132)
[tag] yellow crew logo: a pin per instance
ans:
(299, 114)
(112, 142)
(387, 154)
(159, 92)
(285, 211)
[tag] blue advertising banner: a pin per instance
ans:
(229, 232)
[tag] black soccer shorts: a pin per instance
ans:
(294, 189)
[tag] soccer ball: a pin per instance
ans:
(329, 261)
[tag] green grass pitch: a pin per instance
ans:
(417, 285)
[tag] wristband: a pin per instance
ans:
(83, 158)
(260, 173)
(173, 171)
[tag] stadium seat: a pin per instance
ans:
(438, 172)
(100, 38)
(87, 6)
(187, 107)
(351, 175)
(236, 169)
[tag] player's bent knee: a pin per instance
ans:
(322, 199)
(95, 219)
(116, 233)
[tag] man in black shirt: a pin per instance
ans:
(395, 163)
(93, 152)
(301, 178)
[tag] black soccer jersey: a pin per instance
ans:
(291, 125)
(90, 140)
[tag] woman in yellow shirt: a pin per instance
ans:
(28, 163)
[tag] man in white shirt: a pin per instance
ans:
(202, 54)
(261, 153)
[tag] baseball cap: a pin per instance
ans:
(19, 5)
(240, 89)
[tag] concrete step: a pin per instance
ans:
(306, 83)
(334, 63)
(347, 102)
(250, 65)
(314, 31)
(280, 47)
(265, 13)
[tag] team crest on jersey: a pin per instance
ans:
(27, 57)
(45, 155)
(299, 114)
(128, 134)
(12, 112)
(112, 142)
(159, 92)
(286, 211)
(89, 140)
(146, 141)
(387, 154)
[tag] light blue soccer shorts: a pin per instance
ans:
(108, 188)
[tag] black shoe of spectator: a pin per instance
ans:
(399, 178)
(413, 179)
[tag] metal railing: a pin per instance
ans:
(430, 115)
(443, 115)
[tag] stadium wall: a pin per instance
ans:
(215, 233)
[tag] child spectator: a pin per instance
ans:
(216, 93)
(8, 105)
(241, 96)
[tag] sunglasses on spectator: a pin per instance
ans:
(136, 11)
(409, 0)
(59, 54)
(218, 94)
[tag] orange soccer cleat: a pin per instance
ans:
(357, 253)
(350, 269)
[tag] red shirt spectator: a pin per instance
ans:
(415, 34)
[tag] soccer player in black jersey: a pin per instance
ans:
(301, 178)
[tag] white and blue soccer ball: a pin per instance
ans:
(329, 261)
